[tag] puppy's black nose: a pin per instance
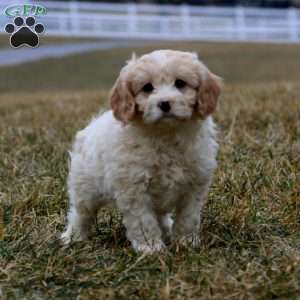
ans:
(164, 106)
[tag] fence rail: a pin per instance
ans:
(168, 22)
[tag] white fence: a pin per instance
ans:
(168, 22)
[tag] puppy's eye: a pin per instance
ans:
(148, 88)
(180, 84)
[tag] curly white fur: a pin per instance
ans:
(148, 162)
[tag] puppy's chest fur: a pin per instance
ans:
(171, 175)
(164, 170)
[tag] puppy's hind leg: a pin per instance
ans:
(79, 224)
(85, 199)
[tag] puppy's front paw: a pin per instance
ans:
(190, 241)
(149, 248)
(66, 237)
(73, 236)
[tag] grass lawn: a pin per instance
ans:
(236, 63)
(251, 223)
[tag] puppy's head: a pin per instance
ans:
(165, 86)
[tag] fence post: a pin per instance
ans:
(74, 17)
(185, 19)
(293, 24)
(240, 23)
(63, 24)
(131, 10)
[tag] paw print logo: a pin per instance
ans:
(24, 32)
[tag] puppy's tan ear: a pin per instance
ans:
(122, 101)
(121, 98)
(208, 94)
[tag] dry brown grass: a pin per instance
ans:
(250, 230)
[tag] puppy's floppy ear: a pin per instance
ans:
(209, 91)
(122, 101)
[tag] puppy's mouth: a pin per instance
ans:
(168, 115)
(165, 117)
(170, 118)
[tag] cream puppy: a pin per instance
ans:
(152, 154)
